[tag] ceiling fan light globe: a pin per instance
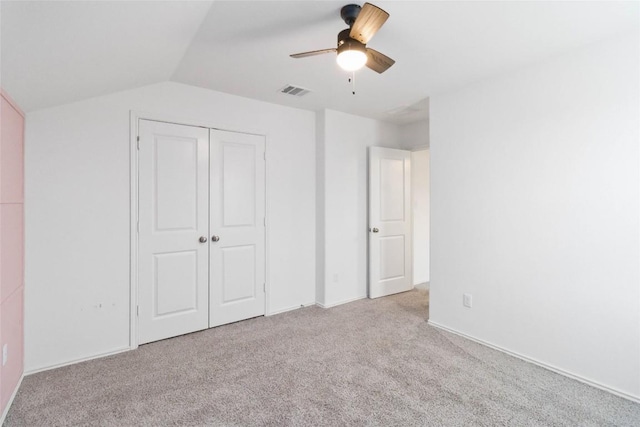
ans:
(351, 60)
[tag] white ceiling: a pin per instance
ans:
(58, 52)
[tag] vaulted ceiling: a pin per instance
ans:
(59, 52)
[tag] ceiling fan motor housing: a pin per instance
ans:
(349, 13)
(345, 42)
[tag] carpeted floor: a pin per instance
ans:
(371, 362)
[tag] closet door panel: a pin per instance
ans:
(237, 216)
(173, 263)
(239, 185)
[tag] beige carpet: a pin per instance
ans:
(371, 362)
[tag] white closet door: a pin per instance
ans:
(390, 246)
(173, 217)
(237, 215)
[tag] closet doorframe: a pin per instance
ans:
(134, 119)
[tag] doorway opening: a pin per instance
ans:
(399, 193)
(420, 204)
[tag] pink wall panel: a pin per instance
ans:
(11, 248)
(12, 153)
(12, 333)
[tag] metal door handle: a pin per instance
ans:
(203, 239)
(375, 230)
(215, 238)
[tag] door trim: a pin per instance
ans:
(134, 118)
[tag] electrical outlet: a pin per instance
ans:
(5, 354)
(467, 300)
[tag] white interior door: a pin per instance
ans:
(237, 224)
(173, 216)
(390, 268)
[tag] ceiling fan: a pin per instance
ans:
(353, 53)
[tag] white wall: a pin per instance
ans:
(535, 192)
(420, 217)
(343, 163)
(320, 207)
(77, 216)
(414, 135)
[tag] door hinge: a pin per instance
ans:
(137, 311)
(264, 287)
(138, 143)
(264, 221)
(264, 155)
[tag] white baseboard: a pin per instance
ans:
(293, 307)
(80, 360)
(422, 286)
(333, 304)
(541, 364)
(10, 402)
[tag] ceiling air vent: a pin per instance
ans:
(294, 90)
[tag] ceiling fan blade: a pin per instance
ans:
(313, 53)
(377, 61)
(368, 22)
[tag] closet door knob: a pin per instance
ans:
(203, 239)
(215, 238)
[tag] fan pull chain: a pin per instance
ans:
(352, 80)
